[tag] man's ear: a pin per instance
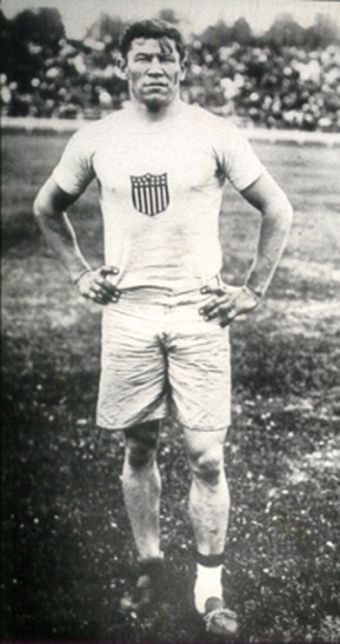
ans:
(184, 67)
(122, 66)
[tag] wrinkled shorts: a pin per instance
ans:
(161, 358)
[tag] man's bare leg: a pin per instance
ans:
(209, 513)
(209, 495)
(142, 487)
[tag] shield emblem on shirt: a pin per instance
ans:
(150, 193)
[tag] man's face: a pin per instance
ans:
(154, 71)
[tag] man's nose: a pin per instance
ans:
(155, 66)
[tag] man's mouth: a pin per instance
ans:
(156, 86)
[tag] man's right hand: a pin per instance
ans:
(94, 286)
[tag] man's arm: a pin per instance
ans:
(49, 209)
(276, 217)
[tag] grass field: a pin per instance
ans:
(67, 552)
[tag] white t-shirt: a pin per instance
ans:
(160, 190)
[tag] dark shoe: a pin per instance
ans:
(219, 619)
(147, 591)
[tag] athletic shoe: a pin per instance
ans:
(219, 620)
(147, 591)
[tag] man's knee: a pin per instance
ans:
(141, 444)
(207, 465)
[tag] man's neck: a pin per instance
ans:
(145, 114)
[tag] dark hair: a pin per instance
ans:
(151, 29)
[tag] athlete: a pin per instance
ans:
(161, 166)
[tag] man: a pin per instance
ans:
(161, 166)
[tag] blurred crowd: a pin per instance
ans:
(286, 87)
(292, 88)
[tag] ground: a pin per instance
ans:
(67, 551)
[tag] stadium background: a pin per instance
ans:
(66, 548)
(285, 77)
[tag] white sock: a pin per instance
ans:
(208, 584)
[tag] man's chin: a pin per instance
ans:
(155, 103)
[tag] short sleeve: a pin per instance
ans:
(74, 171)
(243, 166)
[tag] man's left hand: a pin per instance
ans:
(228, 302)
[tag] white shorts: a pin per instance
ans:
(161, 358)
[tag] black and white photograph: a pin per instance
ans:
(170, 203)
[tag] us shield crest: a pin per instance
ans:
(150, 193)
